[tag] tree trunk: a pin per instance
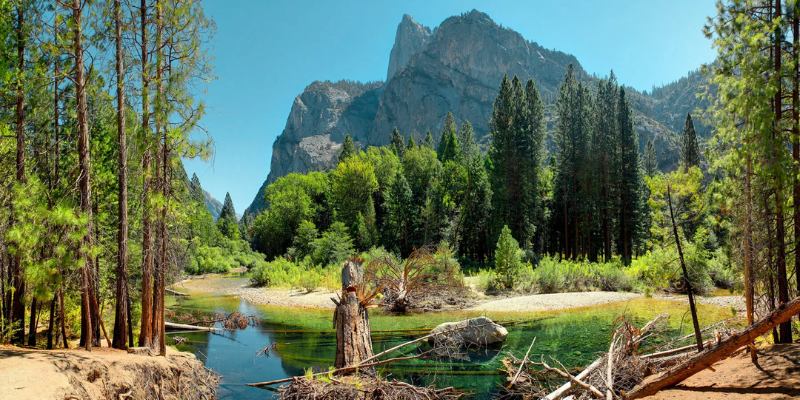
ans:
(796, 140)
(146, 329)
(747, 249)
(351, 321)
(161, 130)
(18, 276)
(697, 334)
(51, 322)
(87, 288)
(705, 359)
(121, 315)
(780, 227)
(32, 324)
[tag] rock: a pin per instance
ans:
(480, 331)
(410, 39)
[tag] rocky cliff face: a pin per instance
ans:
(410, 39)
(455, 68)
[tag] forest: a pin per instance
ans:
(101, 103)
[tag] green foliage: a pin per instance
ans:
(348, 148)
(551, 276)
(333, 247)
(690, 150)
(449, 146)
(352, 186)
(508, 258)
(284, 273)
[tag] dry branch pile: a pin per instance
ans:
(361, 388)
(614, 373)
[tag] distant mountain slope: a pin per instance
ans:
(213, 205)
(456, 68)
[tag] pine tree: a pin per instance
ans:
(348, 148)
(428, 140)
(449, 148)
(650, 161)
(476, 212)
(411, 142)
(466, 138)
(690, 151)
(397, 143)
(507, 258)
(604, 161)
(400, 213)
(630, 207)
(227, 221)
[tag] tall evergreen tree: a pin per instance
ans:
(400, 214)
(650, 163)
(227, 221)
(428, 139)
(348, 148)
(690, 151)
(476, 212)
(466, 138)
(397, 143)
(449, 149)
(604, 161)
(630, 207)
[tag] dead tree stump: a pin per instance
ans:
(351, 321)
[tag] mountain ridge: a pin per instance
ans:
(455, 67)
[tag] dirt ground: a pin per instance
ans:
(227, 286)
(736, 378)
(102, 373)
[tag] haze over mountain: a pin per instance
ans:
(456, 67)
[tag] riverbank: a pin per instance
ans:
(103, 373)
(225, 285)
(736, 377)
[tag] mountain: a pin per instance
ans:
(456, 68)
(213, 205)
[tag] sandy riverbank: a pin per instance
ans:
(103, 373)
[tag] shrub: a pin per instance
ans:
(507, 258)
(285, 273)
(333, 247)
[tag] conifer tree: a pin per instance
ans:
(428, 139)
(507, 258)
(650, 162)
(476, 212)
(411, 142)
(227, 221)
(397, 143)
(630, 207)
(399, 205)
(348, 148)
(466, 138)
(690, 151)
(604, 161)
(449, 149)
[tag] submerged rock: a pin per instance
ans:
(480, 331)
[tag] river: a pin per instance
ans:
(299, 339)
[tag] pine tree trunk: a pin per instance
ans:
(146, 327)
(84, 183)
(163, 180)
(747, 249)
(351, 321)
(780, 227)
(796, 140)
(32, 323)
(51, 322)
(18, 276)
(121, 315)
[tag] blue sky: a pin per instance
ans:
(265, 52)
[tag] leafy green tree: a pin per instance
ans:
(353, 184)
(476, 213)
(334, 246)
(303, 241)
(508, 258)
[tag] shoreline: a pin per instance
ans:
(226, 285)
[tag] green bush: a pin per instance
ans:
(285, 273)
(508, 259)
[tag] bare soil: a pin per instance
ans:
(736, 378)
(102, 373)
(241, 287)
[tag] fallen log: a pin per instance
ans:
(725, 348)
(175, 292)
(184, 327)
(575, 380)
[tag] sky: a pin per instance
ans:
(265, 52)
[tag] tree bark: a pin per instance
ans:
(705, 359)
(747, 249)
(785, 329)
(18, 277)
(163, 167)
(351, 321)
(32, 324)
(88, 315)
(146, 328)
(121, 314)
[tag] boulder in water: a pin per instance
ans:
(480, 331)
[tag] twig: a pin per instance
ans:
(593, 390)
(522, 364)
(610, 369)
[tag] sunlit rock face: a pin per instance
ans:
(456, 68)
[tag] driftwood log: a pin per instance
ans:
(725, 348)
(351, 321)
